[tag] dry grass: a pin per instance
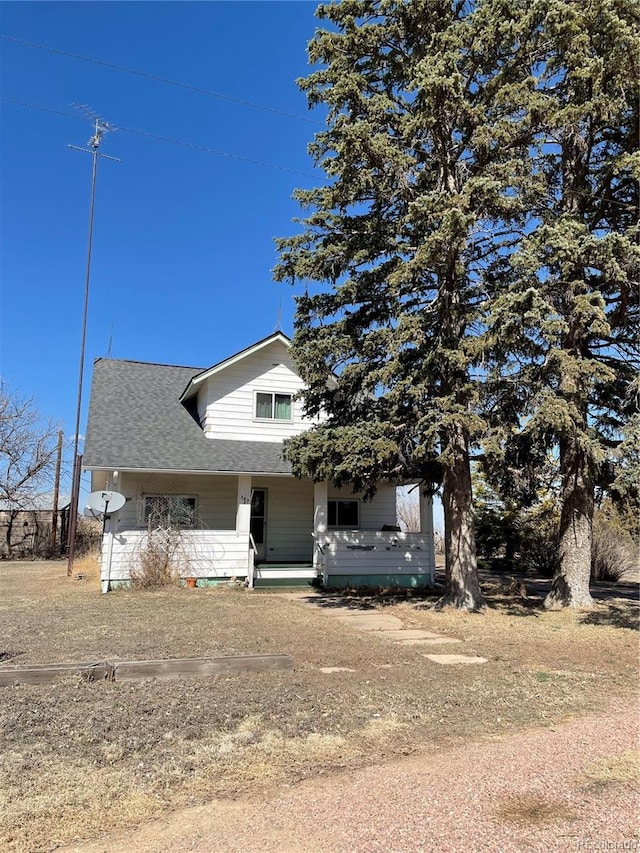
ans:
(87, 566)
(619, 769)
(532, 810)
(73, 751)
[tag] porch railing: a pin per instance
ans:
(372, 552)
(199, 553)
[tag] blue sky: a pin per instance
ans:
(183, 238)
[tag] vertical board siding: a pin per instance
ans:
(226, 402)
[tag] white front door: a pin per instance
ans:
(259, 521)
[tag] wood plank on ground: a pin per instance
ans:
(141, 669)
(48, 673)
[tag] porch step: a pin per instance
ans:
(262, 583)
(284, 574)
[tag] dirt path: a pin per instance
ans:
(569, 787)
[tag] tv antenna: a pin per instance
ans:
(100, 128)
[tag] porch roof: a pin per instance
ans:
(136, 421)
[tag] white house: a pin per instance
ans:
(200, 451)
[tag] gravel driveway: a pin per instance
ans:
(569, 787)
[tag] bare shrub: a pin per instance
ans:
(88, 537)
(160, 561)
(613, 552)
(408, 510)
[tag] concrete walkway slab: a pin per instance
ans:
(374, 621)
(329, 669)
(336, 612)
(410, 634)
(384, 625)
(430, 641)
(453, 659)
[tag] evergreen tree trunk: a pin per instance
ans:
(570, 586)
(462, 589)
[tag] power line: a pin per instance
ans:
(148, 76)
(40, 108)
(215, 151)
(193, 145)
(218, 153)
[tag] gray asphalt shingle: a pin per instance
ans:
(136, 421)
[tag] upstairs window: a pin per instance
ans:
(169, 511)
(273, 407)
(343, 514)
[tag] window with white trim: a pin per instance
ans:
(342, 513)
(270, 406)
(169, 511)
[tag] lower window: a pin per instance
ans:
(343, 513)
(169, 511)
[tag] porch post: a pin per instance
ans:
(320, 492)
(243, 518)
(108, 528)
(426, 527)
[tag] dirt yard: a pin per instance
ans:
(80, 757)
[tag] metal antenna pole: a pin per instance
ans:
(278, 327)
(94, 145)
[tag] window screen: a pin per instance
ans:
(169, 511)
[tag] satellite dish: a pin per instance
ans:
(105, 501)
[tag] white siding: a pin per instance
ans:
(289, 518)
(374, 514)
(216, 497)
(290, 513)
(227, 400)
(199, 553)
(375, 553)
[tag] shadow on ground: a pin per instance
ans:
(365, 599)
(514, 595)
(622, 614)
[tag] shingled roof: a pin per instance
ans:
(137, 422)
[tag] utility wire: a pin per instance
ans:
(215, 151)
(148, 76)
(41, 108)
(194, 146)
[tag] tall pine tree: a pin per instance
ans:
(426, 156)
(571, 313)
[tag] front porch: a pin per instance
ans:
(275, 531)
